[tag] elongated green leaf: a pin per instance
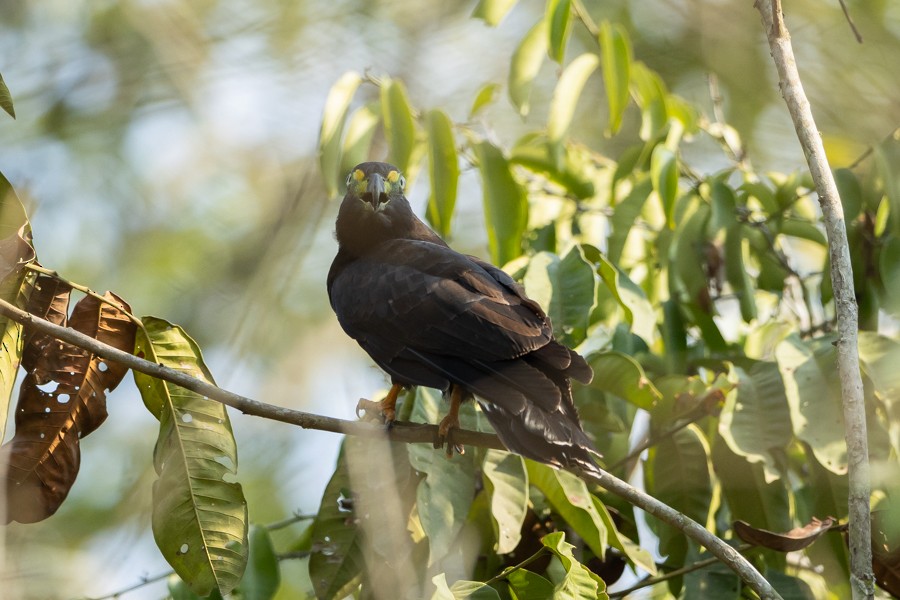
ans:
(650, 95)
(813, 392)
(756, 418)
(525, 64)
(533, 152)
(639, 312)
(505, 204)
(619, 374)
(493, 11)
(880, 357)
(199, 519)
(263, 574)
(445, 495)
(566, 95)
(850, 193)
(6, 101)
(506, 481)
(361, 128)
(637, 556)
(485, 96)
(664, 175)
(889, 269)
(335, 113)
(525, 585)
(399, 126)
(462, 590)
(566, 288)
(16, 251)
(579, 583)
(615, 50)
(736, 272)
(887, 161)
(680, 477)
(559, 21)
(570, 499)
(443, 165)
(626, 215)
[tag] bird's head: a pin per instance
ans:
(375, 185)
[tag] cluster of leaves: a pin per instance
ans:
(702, 299)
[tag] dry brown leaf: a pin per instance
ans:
(791, 541)
(49, 300)
(62, 399)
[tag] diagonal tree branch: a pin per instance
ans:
(861, 577)
(405, 432)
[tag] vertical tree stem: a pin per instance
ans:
(861, 577)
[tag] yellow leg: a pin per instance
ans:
(451, 422)
(386, 408)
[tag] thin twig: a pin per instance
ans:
(847, 16)
(692, 416)
(861, 576)
(505, 573)
(702, 564)
(81, 288)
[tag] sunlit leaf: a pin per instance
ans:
(579, 583)
(444, 497)
(620, 374)
(664, 175)
(566, 95)
(880, 356)
(533, 151)
(493, 11)
(61, 400)
(571, 500)
(626, 215)
(443, 171)
(505, 204)
(559, 21)
(680, 476)
(615, 50)
(889, 269)
(506, 481)
(6, 101)
(335, 113)
(887, 161)
(566, 289)
(525, 64)
(199, 519)
(399, 126)
(462, 590)
(361, 127)
(639, 313)
(736, 272)
(486, 96)
(637, 556)
(650, 95)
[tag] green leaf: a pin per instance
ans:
(805, 230)
(443, 171)
(571, 500)
(506, 482)
(445, 495)
(263, 574)
(813, 391)
(335, 113)
(626, 215)
(579, 583)
(566, 288)
(789, 587)
(619, 374)
(566, 95)
(715, 581)
(850, 192)
(736, 271)
(880, 356)
(336, 563)
(462, 590)
(493, 11)
(639, 313)
(559, 22)
(361, 127)
(399, 127)
(889, 270)
(756, 419)
(6, 101)
(680, 477)
(525, 64)
(15, 287)
(636, 555)
(485, 96)
(664, 176)
(199, 519)
(615, 50)
(650, 95)
(887, 162)
(505, 204)
(525, 585)
(533, 152)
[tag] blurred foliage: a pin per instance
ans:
(637, 173)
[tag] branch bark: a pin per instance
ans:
(400, 432)
(861, 576)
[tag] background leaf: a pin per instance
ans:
(506, 482)
(566, 288)
(6, 101)
(443, 171)
(559, 19)
(616, 54)
(505, 204)
(565, 96)
(399, 126)
(492, 11)
(525, 64)
(333, 117)
(619, 374)
(664, 175)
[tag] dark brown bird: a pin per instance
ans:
(431, 316)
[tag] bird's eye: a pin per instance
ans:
(402, 182)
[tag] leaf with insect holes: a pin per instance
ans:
(62, 399)
(199, 518)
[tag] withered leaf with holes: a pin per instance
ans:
(62, 399)
(791, 541)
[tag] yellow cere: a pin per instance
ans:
(393, 176)
(358, 175)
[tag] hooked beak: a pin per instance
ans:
(375, 191)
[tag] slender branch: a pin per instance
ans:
(702, 564)
(399, 432)
(81, 288)
(861, 577)
(505, 573)
(847, 16)
(692, 416)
